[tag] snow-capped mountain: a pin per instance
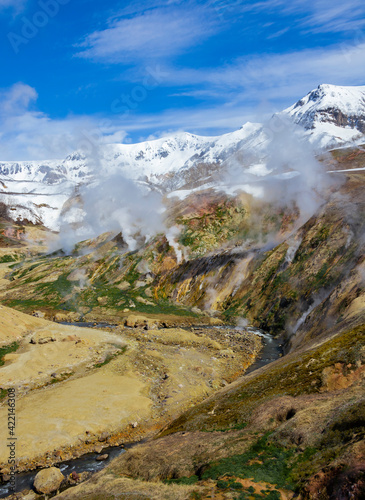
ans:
(154, 159)
(330, 116)
(37, 191)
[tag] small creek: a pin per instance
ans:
(271, 351)
(88, 462)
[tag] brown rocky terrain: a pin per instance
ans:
(294, 428)
(120, 382)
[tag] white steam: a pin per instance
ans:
(289, 173)
(115, 204)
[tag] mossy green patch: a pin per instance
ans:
(264, 461)
(6, 350)
(26, 305)
(265, 494)
(218, 222)
(8, 258)
(110, 357)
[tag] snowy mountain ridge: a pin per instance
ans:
(330, 116)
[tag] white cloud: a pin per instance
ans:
(250, 89)
(275, 77)
(28, 134)
(17, 98)
(321, 16)
(332, 15)
(155, 34)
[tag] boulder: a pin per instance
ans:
(103, 436)
(38, 314)
(40, 338)
(102, 301)
(215, 322)
(48, 480)
(100, 458)
(124, 285)
(134, 321)
(69, 317)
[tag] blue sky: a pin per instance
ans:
(128, 71)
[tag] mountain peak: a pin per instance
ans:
(330, 106)
(346, 99)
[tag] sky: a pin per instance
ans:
(116, 71)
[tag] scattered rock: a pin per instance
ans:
(124, 285)
(46, 340)
(84, 476)
(139, 284)
(48, 480)
(144, 301)
(29, 495)
(67, 317)
(136, 321)
(103, 437)
(102, 300)
(38, 314)
(71, 338)
(39, 339)
(74, 476)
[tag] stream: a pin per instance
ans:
(271, 351)
(88, 462)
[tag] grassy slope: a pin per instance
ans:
(280, 426)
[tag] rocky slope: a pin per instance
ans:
(295, 426)
(242, 259)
